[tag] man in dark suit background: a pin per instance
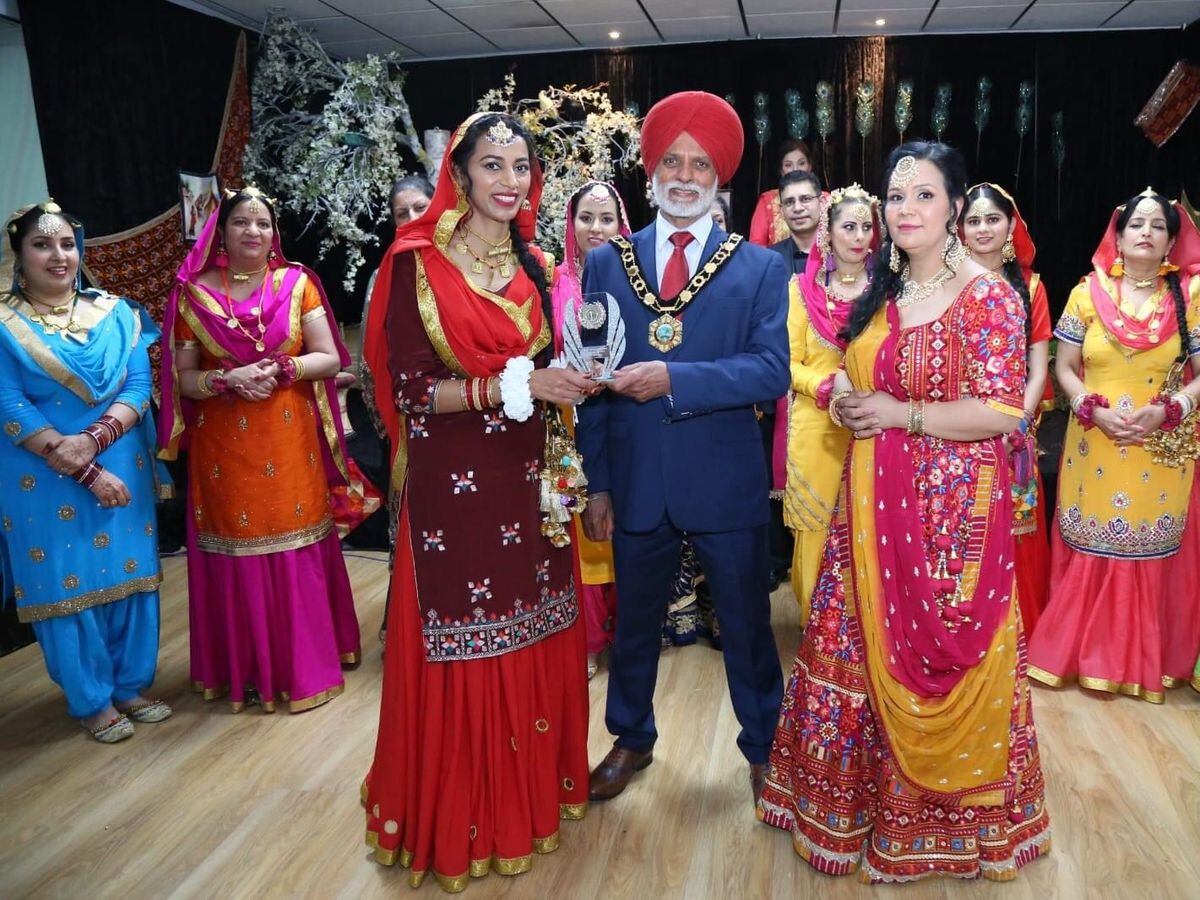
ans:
(673, 449)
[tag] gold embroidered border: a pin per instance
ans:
(1127, 689)
(427, 307)
(573, 812)
(44, 611)
(430, 318)
(272, 543)
(41, 352)
(294, 706)
(313, 315)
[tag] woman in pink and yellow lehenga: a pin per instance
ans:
(906, 745)
(248, 390)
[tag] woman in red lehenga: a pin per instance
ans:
(906, 745)
(482, 743)
(998, 238)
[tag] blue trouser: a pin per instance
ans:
(735, 566)
(104, 654)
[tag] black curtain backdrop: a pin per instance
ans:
(145, 99)
(126, 93)
(1100, 81)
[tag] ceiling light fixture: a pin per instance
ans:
(615, 35)
(881, 22)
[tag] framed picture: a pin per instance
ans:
(199, 197)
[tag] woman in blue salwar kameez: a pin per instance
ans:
(79, 477)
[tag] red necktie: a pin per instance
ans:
(675, 276)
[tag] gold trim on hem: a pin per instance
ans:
(69, 607)
(292, 706)
(1125, 689)
(350, 659)
(573, 812)
(547, 844)
(261, 546)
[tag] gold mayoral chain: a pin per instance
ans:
(666, 332)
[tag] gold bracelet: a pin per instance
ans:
(203, 385)
(477, 393)
(833, 402)
(918, 423)
(299, 364)
(462, 394)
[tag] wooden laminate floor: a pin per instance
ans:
(211, 804)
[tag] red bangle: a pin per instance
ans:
(287, 368)
(105, 431)
(825, 391)
(1172, 409)
(88, 474)
(1087, 409)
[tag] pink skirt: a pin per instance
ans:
(281, 624)
(1120, 625)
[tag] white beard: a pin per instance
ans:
(693, 210)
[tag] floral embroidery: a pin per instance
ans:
(493, 423)
(1119, 538)
(416, 427)
(1120, 500)
(485, 635)
(531, 471)
(434, 540)
(480, 590)
(464, 483)
(510, 534)
(1070, 329)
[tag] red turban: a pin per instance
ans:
(706, 117)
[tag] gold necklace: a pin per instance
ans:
(850, 277)
(502, 248)
(246, 276)
(1141, 283)
(913, 292)
(481, 264)
(52, 327)
(235, 323)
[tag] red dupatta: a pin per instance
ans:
(1184, 257)
(475, 332)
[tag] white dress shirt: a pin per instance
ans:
(663, 230)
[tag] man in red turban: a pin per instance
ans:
(673, 448)
(707, 118)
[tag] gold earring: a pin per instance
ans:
(1118, 267)
(894, 259)
(1008, 252)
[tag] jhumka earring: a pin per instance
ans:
(272, 259)
(1008, 252)
(1118, 267)
(894, 262)
(222, 257)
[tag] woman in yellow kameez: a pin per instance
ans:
(1123, 617)
(820, 302)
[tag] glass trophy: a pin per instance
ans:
(594, 335)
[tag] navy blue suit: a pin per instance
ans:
(691, 464)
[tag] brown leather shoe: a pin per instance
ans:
(614, 772)
(758, 778)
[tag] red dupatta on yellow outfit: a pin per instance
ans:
(944, 696)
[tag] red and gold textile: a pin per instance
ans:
(906, 745)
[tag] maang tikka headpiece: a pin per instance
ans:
(501, 135)
(51, 219)
(1148, 205)
(905, 172)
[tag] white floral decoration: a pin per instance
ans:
(579, 138)
(329, 137)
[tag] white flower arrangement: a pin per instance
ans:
(329, 137)
(579, 138)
